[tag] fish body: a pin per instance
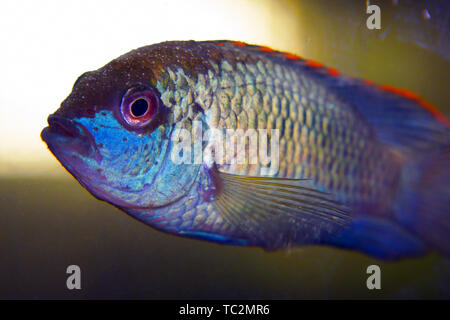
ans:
(347, 168)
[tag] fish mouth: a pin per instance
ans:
(60, 126)
(64, 136)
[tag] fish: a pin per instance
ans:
(341, 162)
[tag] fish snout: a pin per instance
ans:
(62, 126)
(63, 134)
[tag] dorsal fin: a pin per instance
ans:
(399, 117)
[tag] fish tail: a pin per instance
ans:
(423, 205)
(419, 218)
(403, 120)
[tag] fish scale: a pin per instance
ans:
(352, 169)
(268, 101)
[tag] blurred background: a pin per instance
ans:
(48, 221)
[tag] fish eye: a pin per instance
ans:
(139, 106)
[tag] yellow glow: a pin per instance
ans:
(46, 45)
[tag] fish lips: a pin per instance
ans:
(68, 140)
(64, 136)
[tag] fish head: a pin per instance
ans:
(113, 134)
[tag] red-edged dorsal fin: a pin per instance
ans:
(314, 64)
(291, 56)
(377, 103)
(279, 54)
(415, 97)
(333, 72)
(399, 117)
(266, 49)
(239, 44)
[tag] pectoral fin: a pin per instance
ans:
(277, 212)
